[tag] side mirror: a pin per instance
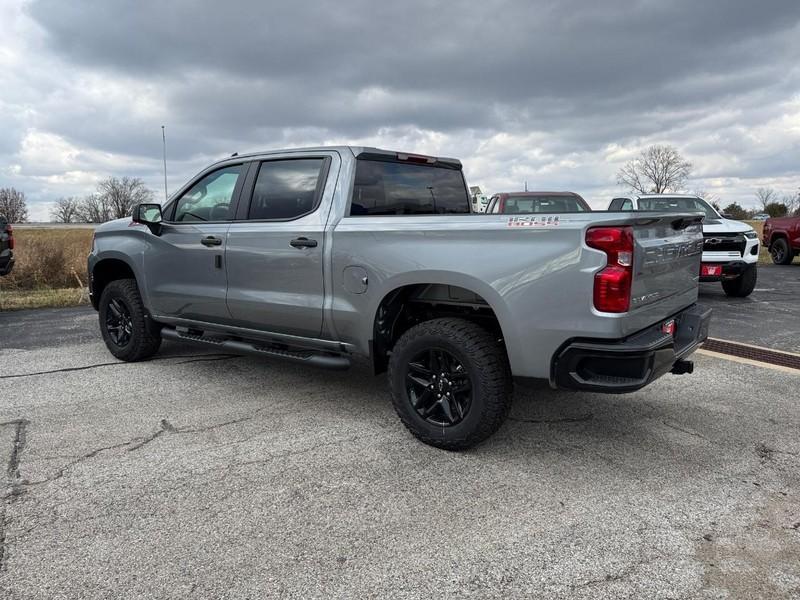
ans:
(150, 215)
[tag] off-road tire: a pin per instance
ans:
(482, 357)
(780, 252)
(743, 285)
(145, 337)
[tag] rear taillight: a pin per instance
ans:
(10, 231)
(612, 285)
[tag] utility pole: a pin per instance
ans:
(164, 141)
(526, 185)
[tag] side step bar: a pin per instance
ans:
(306, 357)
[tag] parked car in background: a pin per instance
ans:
(782, 237)
(319, 255)
(730, 248)
(521, 203)
(760, 217)
(6, 246)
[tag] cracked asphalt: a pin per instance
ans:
(214, 476)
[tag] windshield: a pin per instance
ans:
(516, 205)
(667, 204)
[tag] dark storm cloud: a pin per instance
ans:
(449, 65)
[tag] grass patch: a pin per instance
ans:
(49, 258)
(50, 269)
(44, 298)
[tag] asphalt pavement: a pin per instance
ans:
(214, 476)
(769, 317)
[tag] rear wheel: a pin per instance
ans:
(128, 333)
(743, 285)
(450, 383)
(780, 252)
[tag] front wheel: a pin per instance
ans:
(128, 333)
(743, 285)
(780, 252)
(450, 383)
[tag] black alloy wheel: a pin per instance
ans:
(119, 323)
(450, 382)
(126, 328)
(438, 387)
(780, 252)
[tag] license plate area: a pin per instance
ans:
(710, 270)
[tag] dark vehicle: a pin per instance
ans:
(523, 203)
(6, 246)
(782, 237)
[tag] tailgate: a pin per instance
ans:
(667, 253)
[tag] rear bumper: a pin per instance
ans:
(629, 364)
(730, 270)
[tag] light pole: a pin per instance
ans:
(164, 143)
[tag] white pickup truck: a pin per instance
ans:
(730, 248)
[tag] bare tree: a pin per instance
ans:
(792, 202)
(119, 195)
(93, 209)
(766, 196)
(66, 210)
(656, 170)
(12, 205)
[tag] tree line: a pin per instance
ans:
(114, 198)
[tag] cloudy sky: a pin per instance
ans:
(558, 93)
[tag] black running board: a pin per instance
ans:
(311, 358)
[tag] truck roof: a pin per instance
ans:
(647, 196)
(355, 150)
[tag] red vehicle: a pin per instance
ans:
(782, 237)
(521, 203)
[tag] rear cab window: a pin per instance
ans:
(386, 187)
(539, 203)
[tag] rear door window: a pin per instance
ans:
(286, 189)
(395, 188)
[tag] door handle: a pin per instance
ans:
(211, 241)
(303, 242)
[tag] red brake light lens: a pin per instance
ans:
(612, 285)
(416, 158)
(10, 231)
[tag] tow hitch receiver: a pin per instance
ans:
(682, 367)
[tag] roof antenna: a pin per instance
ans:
(164, 141)
(526, 185)
(234, 154)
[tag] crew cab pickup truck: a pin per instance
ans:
(320, 255)
(781, 236)
(730, 248)
(6, 247)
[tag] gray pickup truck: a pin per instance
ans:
(320, 255)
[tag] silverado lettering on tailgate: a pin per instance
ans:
(664, 254)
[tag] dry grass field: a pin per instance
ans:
(50, 268)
